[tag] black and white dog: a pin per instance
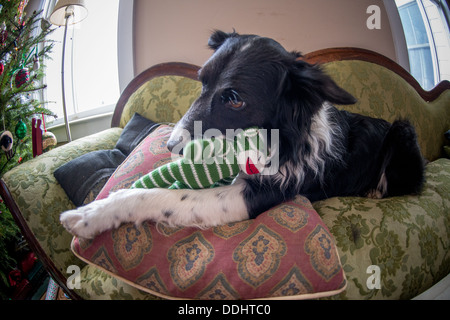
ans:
(252, 81)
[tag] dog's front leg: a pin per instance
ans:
(201, 208)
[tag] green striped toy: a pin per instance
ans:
(210, 163)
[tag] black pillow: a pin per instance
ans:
(80, 175)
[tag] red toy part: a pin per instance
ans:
(250, 168)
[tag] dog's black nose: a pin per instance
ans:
(173, 143)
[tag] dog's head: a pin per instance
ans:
(252, 81)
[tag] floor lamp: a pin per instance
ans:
(65, 13)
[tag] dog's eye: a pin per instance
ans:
(232, 99)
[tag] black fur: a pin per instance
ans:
(360, 156)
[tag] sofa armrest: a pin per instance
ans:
(36, 200)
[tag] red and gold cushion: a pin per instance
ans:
(286, 252)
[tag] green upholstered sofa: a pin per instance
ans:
(407, 238)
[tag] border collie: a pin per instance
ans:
(252, 81)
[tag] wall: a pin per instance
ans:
(178, 30)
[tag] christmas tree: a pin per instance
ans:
(23, 50)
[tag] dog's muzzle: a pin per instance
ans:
(178, 139)
(173, 143)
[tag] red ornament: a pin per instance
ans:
(22, 77)
(2, 68)
(28, 262)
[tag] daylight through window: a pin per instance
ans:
(91, 66)
(427, 38)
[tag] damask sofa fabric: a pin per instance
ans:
(382, 93)
(162, 99)
(407, 238)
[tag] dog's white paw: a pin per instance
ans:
(86, 222)
(73, 222)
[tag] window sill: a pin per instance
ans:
(83, 116)
(81, 126)
(59, 123)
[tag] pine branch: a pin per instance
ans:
(18, 52)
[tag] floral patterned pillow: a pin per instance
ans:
(285, 252)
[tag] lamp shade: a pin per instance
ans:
(58, 16)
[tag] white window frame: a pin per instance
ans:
(398, 35)
(431, 42)
(125, 38)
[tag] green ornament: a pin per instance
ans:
(21, 129)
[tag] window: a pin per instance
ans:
(91, 65)
(427, 38)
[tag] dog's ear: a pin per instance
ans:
(312, 79)
(218, 38)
